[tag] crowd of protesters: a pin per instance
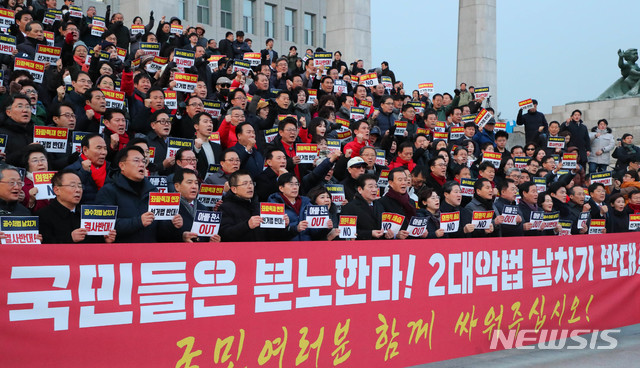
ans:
(437, 161)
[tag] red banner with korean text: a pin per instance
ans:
(365, 303)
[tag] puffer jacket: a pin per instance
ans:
(605, 142)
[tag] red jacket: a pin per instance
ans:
(355, 147)
(228, 136)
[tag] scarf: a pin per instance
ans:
(486, 203)
(98, 174)
(439, 179)
(290, 152)
(629, 148)
(122, 141)
(435, 217)
(81, 63)
(404, 200)
(96, 115)
(296, 206)
(634, 207)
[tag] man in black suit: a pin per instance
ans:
(268, 55)
(207, 152)
(186, 183)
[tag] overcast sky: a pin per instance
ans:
(554, 51)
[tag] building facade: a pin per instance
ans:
(302, 23)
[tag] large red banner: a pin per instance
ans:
(313, 304)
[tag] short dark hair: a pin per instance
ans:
(178, 177)
(108, 114)
(233, 178)
(135, 140)
(123, 154)
(286, 178)
(28, 150)
(18, 15)
(11, 98)
(449, 185)
(614, 197)
(57, 111)
(139, 76)
(632, 173)
(457, 169)
(268, 155)
(502, 133)
(196, 117)
(242, 125)
(394, 171)
(486, 164)
(284, 122)
(432, 162)
(524, 187)
(56, 179)
(87, 138)
(156, 114)
(226, 152)
(504, 185)
(361, 182)
(88, 94)
(179, 153)
(515, 147)
(424, 194)
(594, 186)
(480, 183)
(356, 124)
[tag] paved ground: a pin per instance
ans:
(626, 354)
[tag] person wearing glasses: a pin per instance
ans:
(158, 138)
(18, 127)
(64, 116)
(29, 89)
(129, 190)
(60, 220)
(183, 127)
(185, 158)
(240, 208)
(295, 206)
(35, 159)
(437, 176)
(384, 118)
(10, 188)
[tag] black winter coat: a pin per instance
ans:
(18, 137)
(367, 220)
(131, 206)
(57, 223)
(234, 225)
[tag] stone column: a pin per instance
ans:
(349, 30)
(477, 46)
